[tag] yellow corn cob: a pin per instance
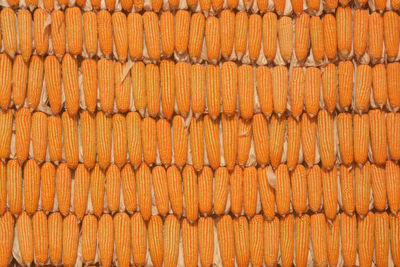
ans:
(63, 188)
(375, 40)
(41, 32)
(122, 87)
(160, 183)
(23, 121)
(333, 238)
(221, 189)
(25, 237)
(363, 189)
(180, 137)
(153, 89)
(113, 187)
(345, 83)
(302, 239)
(345, 135)
(73, 25)
(6, 123)
(171, 240)
(391, 25)
(270, 31)
(229, 87)
(6, 80)
(226, 240)
(264, 89)
(363, 87)
(120, 33)
(302, 36)
(90, 32)
(329, 89)
(361, 137)
(271, 246)
(164, 141)
(212, 38)
(378, 184)
(236, 190)
(128, 181)
(360, 31)
(167, 74)
(279, 88)
(3, 188)
(24, 20)
(197, 142)
(88, 138)
(379, 84)
(250, 191)
(89, 81)
(330, 192)
(103, 139)
(119, 139)
(366, 229)
(55, 237)
(70, 139)
(133, 135)
(139, 238)
(246, 91)
(104, 30)
(70, 83)
(296, 94)
(48, 186)
(285, 36)
(317, 36)
(35, 81)
(393, 125)
(213, 85)
(106, 239)
(394, 224)
(344, 30)
(308, 138)
(182, 87)
(326, 139)
(330, 29)
(31, 186)
(276, 139)
(377, 131)
(255, 32)
(227, 21)
(190, 241)
(267, 193)
(319, 239)
(138, 73)
(190, 189)
(314, 186)
(19, 80)
(312, 94)
(242, 241)
(97, 181)
(143, 186)
(152, 34)
(212, 140)
(205, 180)
(9, 31)
(347, 189)
(393, 81)
(241, 30)
(167, 33)
(381, 237)
(182, 24)
(122, 230)
(156, 246)
(293, 137)
(40, 237)
(256, 231)
(282, 188)
(230, 139)
(299, 189)
(197, 87)
(135, 35)
(206, 240)
(89, 238)
(244, 141)
(52, 75)
(58, 32)
(106, 76)
(392, 173)
(286, 236)
(196, 35)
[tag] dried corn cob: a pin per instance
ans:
(197, 142)
(139, 238)
(156, 246)
(319, 239)
(206, 240)
(302, 237)
(296, 94)
(227, 22)
(190, 241)
(282, 188)
(190, 189)
(347, 189)
(246, 91)
(393, 125)
(97, 181)
(143, 186)
(180, 137)
(391, 25)
(119, 139)
(302, 36)
(73, 25)
(381, 237)
(363, 189)
(89, 81)
(6, 80)
(244, 141)
(366, 229)
(333, 238)
(361, 137)
(41, 31)
(89, 238)
(25, 237)
(182, 24)
(379, 84)
(378, 184)
(104, 30)
(160, 183)
(3, 188)
(375, 40)
(31, 186)
(394, 224)
(279, 88)
(197, 83)
(256, 231)
(271, 246)
(6, 123)
(152, 35)
(106, 239)
(392, 174)
(293, 137)
(285, 36)
(242, 241)
(393, 81)
(167, 33)
(113, 188)
(230, 139)
(345, 83)
(212, 141)
(308, 138)
(317, 36)
(213, 85)
(267, 193)
(164, 141)
(314, 186)
(329, 89)
(128, 181)
(363, 87)
(63, 188)
(250, 191)
(241, 30)
(9, 31)
(40, 237)
(196, 35)
(212, 38)
(103, 138)
(270, 31)
(135, 35)
(138, 73)
(344, 30)
(7, 238)
(264, 89)
(23, 123)
(122, 230)
(171, 240)
(55, 224)
(182, 87)
(299, 189)
(70, 83)
(122, 87)
(19, 80)
(226, 240)
(134, 141)
(345, 135)
(52, 75)
(70, 139)
(326, 139)
(48, 186)
(377, 131)
(254, 38)
(276, 139)
(236, 190)
(88, 138)
(330, 29)
(35, 81)
(221, 189)
(120, 33)
(167, 74)
(205, 180)
(360, 31)
(229, 87)
(330, 192)
(105, 75)
(312, 94)
(90, 32)
(286, 236)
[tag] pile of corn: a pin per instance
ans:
(200, 132)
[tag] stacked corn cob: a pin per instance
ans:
(190, 133)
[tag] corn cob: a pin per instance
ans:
(156, 246)
(6, 80)
(326, 139)
(41, 31)
(230, 139)
(217, 5)
(106, 80)
(182, 87)
(205, 5)
(347, 189)
(35, 81)
(134, 142)
(23, 123)
(138, 73)
(70, 139)
(167, 33)
(314, 186)
(104, 30)
(212, 38)
(256, 244)
(25, 237)
(139, 238)
(106, 239)
(70, 83)
(242, 241)
(52, 75)
(196, 35)
(143, 186)
(282, 188)
(330, 192)
(122, 87)
(113, 187)
(89, 238)
(103, 138)
(90, 32)
(244, 141)
(122, 230)
(317, 36)
(319, 239)
(135, 35)
(296, 94)
(119, 139)
(31, 185)
(55, 237)
(58, 31)
(363, 87)
(9, 31)
(308, 138)
(164, 141)
(380, 5)
(197, 83)
(229, 87)
(3, 188)
(40, 237)
(88, 138)
(393, 81)
(285, 36)
(24, 20)
(19, 80)
(381, 237)
(236, 190)
(226, 238)
(264, 89)
(180, 137)
(267, 193)
(211, 136)
(89, 81)
(156, 5)
(394, 224)
(329, 89)
(392, 174)
(276, 139)
(120, 32)
(344, 30)
(6, 123)
(271, 246)
(379, 84)
(182, 24)
(246, 91)
(221, 189)
(302, 237)
(241, 30)
(366, 229)
(160, 183)
(302, 36)
(206, 240)
(152, 34)
(360, 31)
(361, 137)
(205, 180)
(63, 188)
(286, 230)
(345, 83)
(393, 125)
(270, 31)
(330, 29)
(197, 142)
(293, 137)
(363, 189)
(345, 135)
(279, 88)
(171, 240)
(48, 186)
(167, 74)
(250, 191)
(375, 40)
(377, 131)
(73, 25)
(110, 5)
(378, 184)
(333, 238)
(391, 25)
(227, 22)
(299, 189)
(190, 241)
(213, 85)
(312, 94)
(97, 181)
(128, 181)
(190, 189)
(254, 38)
(7, 238)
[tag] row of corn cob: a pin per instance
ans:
(184, 33)
(200, 141)
(246, 191)
(301, 240)
(182, 88)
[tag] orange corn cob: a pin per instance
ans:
(308, 138)
(48, 186)
(196, 35)
(377, 131)
(314, 186)
(89, 81)
(205, 5)
(171, 240)
(192, 4)
(276, 139)
(267, 193)
(329, 89)
(330, 29)
(392, 172)
(135, 35)
(197, 83)
(375, 40)
(52, 75)
(244, 141)
(363, 87)
(226, 238)
(381, 237)
(190, 189)
(19, 80)
(6, 123)
(35, 81)
(206, 240)
(25, 38)
(152, 35)
(394, 224)
(9, 31)
(110, 5)
(182, 87)
(160, 183)
(6, 79)
(41, 31)
(255, 32)
(106, 239)
(120, 33)
(317, 36)
(379, 84)
(156, 5)
(242, 241)
(344, 30)
(104, 30)
(217, 5)
(138, 73)
(360, 31)
(391, 25)
(271, 246)
(393, 81)
(264, 89)
(88, 138)
(221, 189)
(143, 186)
(70, 139)
(197, 142)
(393, 126)
(333, 238)
(58, 31)
(313, 5)
(119, 139)
(122, 87)
(296, 94)
(229, 87)
(213, 85)
(285, 36)
(122, 230)
(230, 139)
(347, 189)
(282, 188)
(227, 21)
(246, 91)
(25, 237)
(293, 146)
(279, 88)
(90, 32)
(3, 188)
(286, 227)
(378, 184)
(182, 24)
(63, 188)
(167, 33)
(297, 6)
(302, 36)
(312, 94)
(175, 194)
(113, 188)
(241, 30)
(70, 83)
(89, 238)
(345, 83)
(180, 137)
(103, 139)
(134, 141)
(380, 5)
(55, 237)
(270, 31)
(256, 230)
(330, 192)
(236, 190)
(361, 137)
(363, 189)
(167, 74)
(205, 180)
(97, 181)
(319, 239)
(31, 186)
(70, 240)
(190, 241)
(139, 238)
(299, 189)
(302, 237)
(212, 140)
(40, 237)
(23, 121)
(128, 181)
(73, 25)
(345, 135)
(326, 139)
(156, 246)
(250, 191)
(212, 38)
(164, 141)
(105, 76)
(366, 229)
